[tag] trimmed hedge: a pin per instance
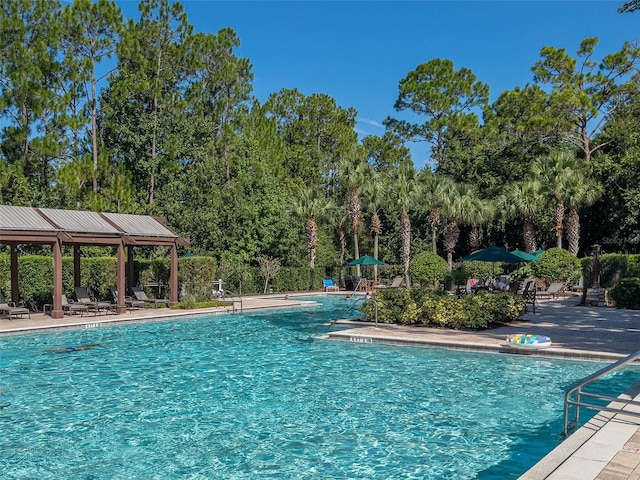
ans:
(434, 308)
(196, 274)
(626, 294)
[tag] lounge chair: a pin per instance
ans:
(140, 294)
(554, 290)
(397, 282)
(529, 294)
(11, 310)
(83, 297)
(579, 287)
(329, 285)
(129, 303)
(72, 307)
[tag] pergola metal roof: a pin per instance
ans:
(43, 225)
(57, 227)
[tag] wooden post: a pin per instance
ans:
(130, 269)
(77, 281)
(120, 285)
(15, 286)
(56, 310)
(173, 276)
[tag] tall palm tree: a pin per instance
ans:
(557, 172)
(482, 211)
(373, 191)
(524, 199)
(434, 189)
(461, 207)
(352, 175)
(309, 205)
(339, 217)
(581, 192)
(405, 192)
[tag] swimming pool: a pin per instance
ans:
(255, 396)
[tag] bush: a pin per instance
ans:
(480, 270)
(557, 265)
(626, 294)
(435, 308)
(428, 268)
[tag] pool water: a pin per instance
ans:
(257, 396)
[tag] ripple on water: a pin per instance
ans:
(241, 397)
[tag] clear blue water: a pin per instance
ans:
(255, 396)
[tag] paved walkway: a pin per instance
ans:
(606, 448)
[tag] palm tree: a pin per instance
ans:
(405, 192)
(482, 211)
(557, 172)
(581, 192)
(435, 188)
(373, 191)
(352, 174)
(524, 199)
(309, 205)
(460, 207)
(339, 217)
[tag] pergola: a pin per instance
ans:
(27, 225)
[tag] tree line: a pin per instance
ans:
(149, 116)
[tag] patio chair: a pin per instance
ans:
(554, 290)
(73, 307)
(329, 285)
(140, 294)
(397, 283)
(129, 302)
(11, 310)
(83, 297)
(579, 287)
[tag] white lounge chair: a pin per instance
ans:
(555, 289)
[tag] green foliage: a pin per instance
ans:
(198, 275)
(613, 267)
(435, 308)
(428, 268)
(626, 294)
(557, 265)
(479, 270)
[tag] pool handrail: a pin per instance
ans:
(577, 390)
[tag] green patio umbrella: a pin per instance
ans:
(526, 257)
(365, 260)
(493, 254)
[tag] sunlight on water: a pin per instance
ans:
(255, 396)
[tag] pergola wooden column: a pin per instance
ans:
(25, 225)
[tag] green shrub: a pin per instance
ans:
(480, 270)
(435, 308)
(427, 268)
(627, 293)
(557, 265)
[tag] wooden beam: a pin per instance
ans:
(15, 289)
(56, 311)
(122, 292)
(173, 276)
(77, 277)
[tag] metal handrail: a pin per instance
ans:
(577, 390)
(234, 298)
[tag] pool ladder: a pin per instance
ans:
(574, 396)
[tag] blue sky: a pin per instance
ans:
(358, 51)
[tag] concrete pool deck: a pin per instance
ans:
(606, 448)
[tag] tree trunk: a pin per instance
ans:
(558, 216)
(312, 235)
(451, 235)
(376, 228)
(94, 133)
(529, 235)
(434, 221)
(573, 231)
(474, 238)
(405, 229)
